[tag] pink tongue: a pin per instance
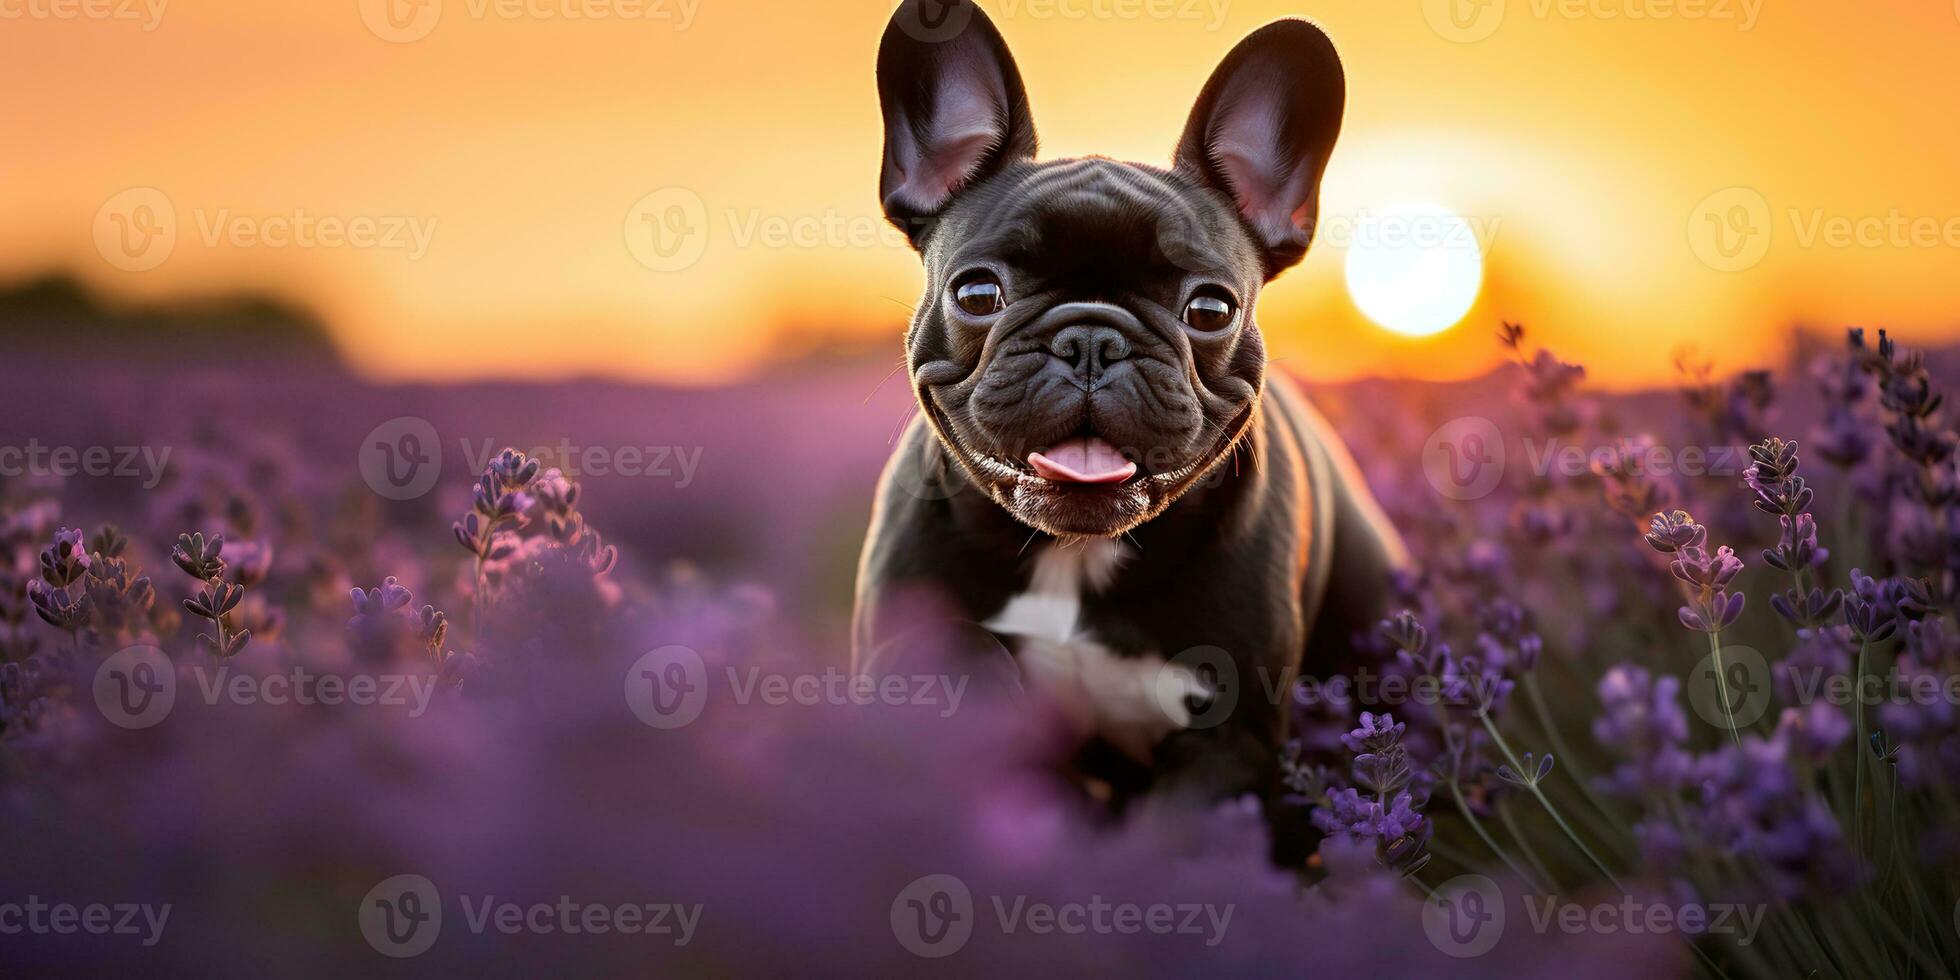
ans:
(1089, 460)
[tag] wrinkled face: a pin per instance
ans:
(1085, 346)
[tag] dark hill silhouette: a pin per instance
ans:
(57, 314)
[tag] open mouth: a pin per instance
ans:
(1085, 460)
(1085, 463)
(1083, 485)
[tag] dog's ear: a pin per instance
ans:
(1263, 129)
(955, 109)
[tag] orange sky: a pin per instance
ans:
(517, 136)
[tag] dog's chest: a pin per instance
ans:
(1132, 701)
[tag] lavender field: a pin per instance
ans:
(303, 675)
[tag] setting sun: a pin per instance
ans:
(1414, 269)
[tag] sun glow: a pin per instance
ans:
(1414, 268)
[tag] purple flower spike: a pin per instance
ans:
(1706, 572)
(1773, 477)
(388, 597)
(65, 560)
(1389, 811)
(1807, 610)
(1705, 579)
(1643, 722)
(1798, 548)
(1675, 531)
(1717, 617)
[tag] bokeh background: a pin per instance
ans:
(260, 255)
(1594, 146)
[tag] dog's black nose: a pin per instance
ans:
(1089, 349)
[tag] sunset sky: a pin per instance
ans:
(492, 158)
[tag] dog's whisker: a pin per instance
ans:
(898, 429)
(900, 366)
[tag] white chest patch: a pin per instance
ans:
(1133, 702)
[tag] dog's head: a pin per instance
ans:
(1085, 347)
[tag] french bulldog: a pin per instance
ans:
(1153, 531)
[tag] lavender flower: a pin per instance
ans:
(56, 606)
(1753, 803)
(1778, 490)
(1672, 532)
(198, 555)
(1845, 436)
(215, 602)
(1711, 608)
(1774, 480)
(1390, 815)
(64, 561)
(389, 597)
(1871, 610)
(1642, 722)
(386, 629)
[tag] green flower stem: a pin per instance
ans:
(217, 620)
(1569, 759)
(1859, 748)
(476, 603)
(1722, 684)
(1926, 960)
(1524, 844)
(1532, 785)
(1456, 792)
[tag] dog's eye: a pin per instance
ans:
(980, 295)
(1208, 312)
